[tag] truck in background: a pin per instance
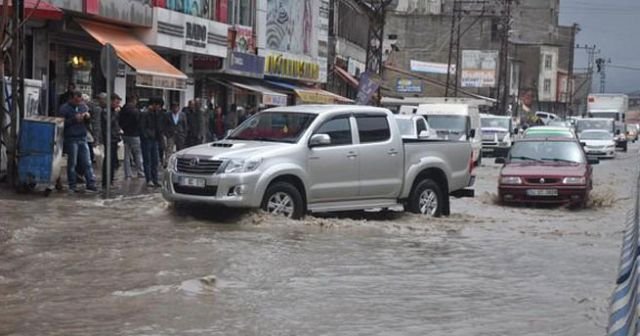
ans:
(611, 106)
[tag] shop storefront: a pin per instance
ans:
(190, 43)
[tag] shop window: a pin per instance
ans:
(241, 12)
(547, 86)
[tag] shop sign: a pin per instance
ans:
(277, 65)
(274, 100)
(246, 63)
(366, 90)
(186, 33)
(160, 82)
(195, 35)
(405, 85)
(243, 40)
(202, 62)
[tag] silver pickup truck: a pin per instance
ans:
(321, 158)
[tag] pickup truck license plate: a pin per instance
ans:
(192, 182)
(542, 192)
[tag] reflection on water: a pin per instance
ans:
(134, 266)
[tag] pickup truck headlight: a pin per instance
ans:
(574, 180)
(510, 180)
(242, 166)
(172, 165)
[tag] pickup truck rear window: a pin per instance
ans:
(373, 128)
(338, 129)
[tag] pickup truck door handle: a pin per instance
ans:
(392, 152)
(352, 155)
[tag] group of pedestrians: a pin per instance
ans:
(150, 135)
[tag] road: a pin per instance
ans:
(131, 266)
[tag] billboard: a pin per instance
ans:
(479, 68)
(292, 26)
(405, 85)
(431, 67)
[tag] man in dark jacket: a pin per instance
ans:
(115, 138)
(176, 129)
(65, 96)
(75, 141)
(129, 119)
(151, 122)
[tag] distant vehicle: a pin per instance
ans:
(321, 158)
(598, 143)
(611, 106)
(606, 124)
(497, 134)
(560, 123)
(632, 132)
(546, 171)
(543, 132)
(415, 127)
(546, 117)
(459, 122)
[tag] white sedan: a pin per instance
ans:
(598, 143)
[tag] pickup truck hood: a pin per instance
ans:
(233, 149)
(543, 169)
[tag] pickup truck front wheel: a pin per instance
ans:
(427, 199)
(283, 199)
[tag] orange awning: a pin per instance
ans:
(151, 69)
(346, 76)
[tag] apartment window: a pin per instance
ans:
(548, 61)
(546, 88)
(241, 12)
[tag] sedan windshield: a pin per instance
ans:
(274, 126)
(551, 151)
(496, 123)
(596, 135)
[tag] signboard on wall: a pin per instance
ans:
(135, 12)
(281, 66)
(479, 68)
(431, 67)
(405, 85)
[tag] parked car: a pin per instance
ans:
(497, 134)
(547, 117)
(415, 127)
(321, 158)
(454, 121)
(541, 132)
(546, 171)
(598, 143)
(632, 132)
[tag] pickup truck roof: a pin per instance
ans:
(317, 109)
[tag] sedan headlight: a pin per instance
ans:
(242, 166)
(172, 165)
(574, 180)
(510, 180)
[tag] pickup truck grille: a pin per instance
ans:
(198, 166)
(206, 191)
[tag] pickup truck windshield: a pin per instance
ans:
(558, 151)
(274, 126)
(451, 124)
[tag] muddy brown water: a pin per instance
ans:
(133, 266)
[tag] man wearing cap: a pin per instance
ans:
(75, 141)
(150, 136)
(115, 138)
(130, 123)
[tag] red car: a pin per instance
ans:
(546, 171)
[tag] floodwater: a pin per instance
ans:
(132, 266)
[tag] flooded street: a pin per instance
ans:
(131, 266)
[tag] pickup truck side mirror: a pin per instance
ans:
(472, 133)
(320, 139)
(583, 144)
(516, 131)
(424, 135)
(500, 160)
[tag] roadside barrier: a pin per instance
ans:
(624, 310)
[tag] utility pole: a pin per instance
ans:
(502, 92)
(17, 87)
(570, 80)
(460, 7)
(592, 52)
(601, 64)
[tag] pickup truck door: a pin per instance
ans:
(381, 157)
(333, 169)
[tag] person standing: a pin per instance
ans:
(175, 131)
(129, 120)
(65, 96)
(150, 136)
(115, 139)
(75, 141)
(192, 121)
(231, 119)
(217, 123)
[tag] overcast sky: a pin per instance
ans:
(614, 27)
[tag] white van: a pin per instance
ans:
(455, 122)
